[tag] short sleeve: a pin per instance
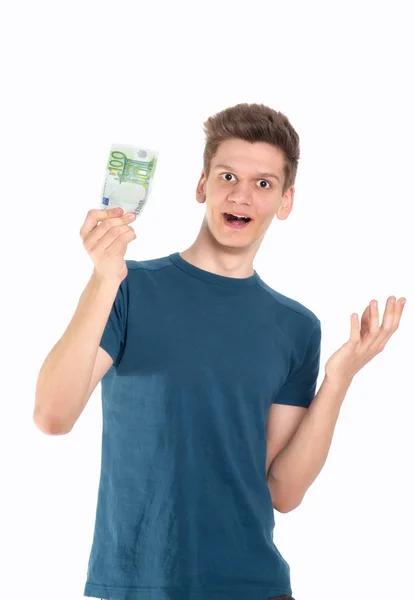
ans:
(113, 337)
(300, 386)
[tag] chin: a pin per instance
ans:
(237, 243)
(230, 240)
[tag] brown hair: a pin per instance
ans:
(253, 123)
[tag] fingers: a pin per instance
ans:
(392, 314)
(371, 332)
(365, 320)
(373, 318)
(94, 216)
(389, 315)
(390, 322)
(396, 308)
(355, 331)
(91, 233)
(105, 234)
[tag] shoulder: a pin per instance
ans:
(289, 310)
(298, 326)
(152, 264)
(141, 270)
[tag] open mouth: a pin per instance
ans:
(236, 222)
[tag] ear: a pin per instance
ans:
(201, 188)
(286, 206)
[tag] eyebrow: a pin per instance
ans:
(259, 174)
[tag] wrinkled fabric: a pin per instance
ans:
(183, 508)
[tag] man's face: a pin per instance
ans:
(241, 187)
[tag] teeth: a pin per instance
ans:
(239, 216)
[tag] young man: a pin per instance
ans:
(207, 375)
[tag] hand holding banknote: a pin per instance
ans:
(106, 242)
(129, 176)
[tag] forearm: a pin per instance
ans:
(64, 377)
(296, 467)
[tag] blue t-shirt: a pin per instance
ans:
(183, 510)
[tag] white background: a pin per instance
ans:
(77, 76)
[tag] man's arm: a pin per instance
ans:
(296, 467)
(293, 471)
(283, 421)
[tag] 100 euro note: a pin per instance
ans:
(128, 178)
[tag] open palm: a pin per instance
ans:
(365, 342)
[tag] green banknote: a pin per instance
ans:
(128, 177)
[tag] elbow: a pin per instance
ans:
(50, 426)
(286, 508)
(284, 498)
(280, 508)
(289, 505)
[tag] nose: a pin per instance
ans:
(240, 194)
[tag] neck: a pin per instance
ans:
(208, 254)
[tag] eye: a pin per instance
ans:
(269, 185)
(266, 182)
(226, 174)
